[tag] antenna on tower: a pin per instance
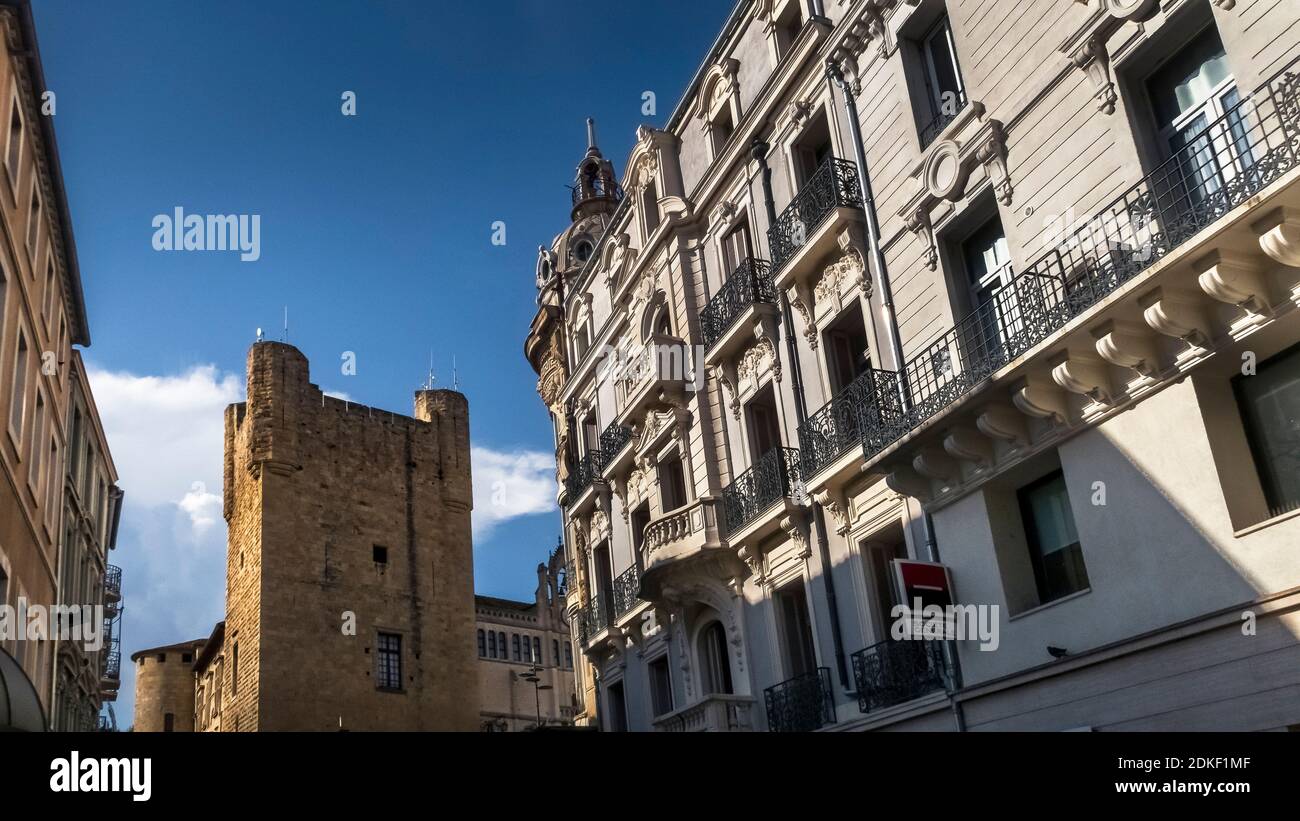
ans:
(285, 338)
(455, 378)
(428, 383)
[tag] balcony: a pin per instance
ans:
(801, 704)
(593, 619)
(868, 403)
(896, 672)
(681, 538)
(613, 446)
(931, 131)
(747, 291)
(112, 584)
(834, 186)
(1199, 201)
(775, 477)
(626, 588)
(583, 476)
(717, 713)
(655, 376)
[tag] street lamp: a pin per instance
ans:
(534, 679)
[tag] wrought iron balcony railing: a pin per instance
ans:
(801, 704)
(113, 582)
(626, 587)
(869, 402)
(613, 439)
(592, 618)
(749, 284)
(948, 112)
(896, 672)
(583, 475)
(1220, 168)
(596, 187)
(773, 477)
(834, 185)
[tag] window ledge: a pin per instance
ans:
(1267, 523)
(1054, 602)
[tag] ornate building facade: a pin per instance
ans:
(919, 300)
(59, 500)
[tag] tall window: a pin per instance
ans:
(796, 631)
(988, 271)
(37, 447)
(234, 669)
(661, 686)
(943, 85)
(568, 655)
(1054, 547)
(650, 208)
(14, 151)
(19, 394)
(555, 650)
(169, 723)
(764, 426)
(492, 644)
(501, 646)
(537, 650)
(672, 486)
(617, 708)
(482, 644)
(514, 646)
(736, 247)
(388, 662)
(1270, 409)
(1197, 113)
(33, 221)
(715, 667)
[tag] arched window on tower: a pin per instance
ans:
(482, 644)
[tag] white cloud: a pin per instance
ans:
(509, 484)
(166, 432)
(166, 435)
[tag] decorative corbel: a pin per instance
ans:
(1177, 315)
(834, 503)
(969, 446)
(1234, 280)
(1083, 375)
(1037, 396)
(1279, 235)
(725, 374)
(794, 527)
(800, 305)
(1128, 346)
(918, 222)
(1093, 58)
(904, 480)
(992, 152)
(1003, 422)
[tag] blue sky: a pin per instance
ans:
(375, 231)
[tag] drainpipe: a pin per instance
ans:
(873, 227)
(758, 150)
(895, 338)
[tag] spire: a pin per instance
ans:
(592, 150)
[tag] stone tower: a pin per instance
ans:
(349, 580)
(164, 688)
